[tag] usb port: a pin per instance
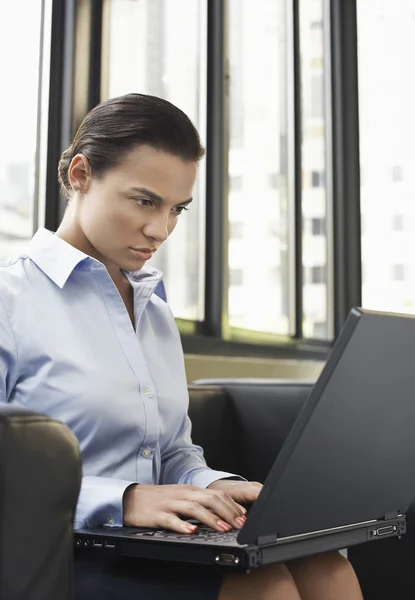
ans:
(109, 544)
(97, 543)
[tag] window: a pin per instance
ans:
(364, 274)
(386, 147)
(258, 95)
(396, 174)
(318, 274)
(273, 181)
(397, 223)
(273, 230)
(317, 96)
(20, 57)
(236, 277)
(274, 273)
(235, 183)
(317, 179)
(318, 226)
(319, 330)
(237, 48)
(317, 25)
(236, 230)
(315, 251)
(159, 48)
(398, 273)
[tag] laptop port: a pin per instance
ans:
(226, 559)
(97, 543)
(109, 544)
(388, 530)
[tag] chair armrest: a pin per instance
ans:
(40, 476)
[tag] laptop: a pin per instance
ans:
(344, 476)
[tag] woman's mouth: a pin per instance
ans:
(143, 253)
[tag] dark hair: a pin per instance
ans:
(114, 127)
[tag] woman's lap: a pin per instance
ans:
(124, 578)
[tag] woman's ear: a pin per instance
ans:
(79, 173)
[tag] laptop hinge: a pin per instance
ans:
(264, 540)
(393, 514)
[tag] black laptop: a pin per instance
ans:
(345, 475)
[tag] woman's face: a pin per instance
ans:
(128, 213)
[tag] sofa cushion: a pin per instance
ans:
(263, 412)
(214, 426)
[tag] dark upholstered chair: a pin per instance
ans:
(40, 475)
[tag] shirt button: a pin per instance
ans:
(146, 453)
(110, 520)
(149, 393)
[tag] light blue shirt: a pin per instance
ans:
(68, 349)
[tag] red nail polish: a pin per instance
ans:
(224, 526)
(191, 528)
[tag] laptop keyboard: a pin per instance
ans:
(203, 534)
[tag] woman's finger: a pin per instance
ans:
(223, 506)
(195, 510)
(244, 492)
(170, 520)
(225, 497)
(257, 484)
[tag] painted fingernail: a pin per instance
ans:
(191, 528)
(241, 521)
(224, 526)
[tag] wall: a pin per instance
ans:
(203, 367)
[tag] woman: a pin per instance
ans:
(85, 339)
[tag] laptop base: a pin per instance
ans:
(133, 541)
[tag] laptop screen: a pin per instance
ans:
(349, 453)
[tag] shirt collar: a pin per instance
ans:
(55, 257)
(58, 259)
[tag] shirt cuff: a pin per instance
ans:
(207, 476)
(100, 502)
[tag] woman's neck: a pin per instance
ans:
(70, 231)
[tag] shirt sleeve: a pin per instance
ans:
(183, 462)
(100, 499)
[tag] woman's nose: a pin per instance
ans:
(157, 227)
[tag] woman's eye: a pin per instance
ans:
(179, 209)
(143, 202)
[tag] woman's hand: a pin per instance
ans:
(240, 491)
(161, 506)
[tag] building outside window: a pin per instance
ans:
(23, 49)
